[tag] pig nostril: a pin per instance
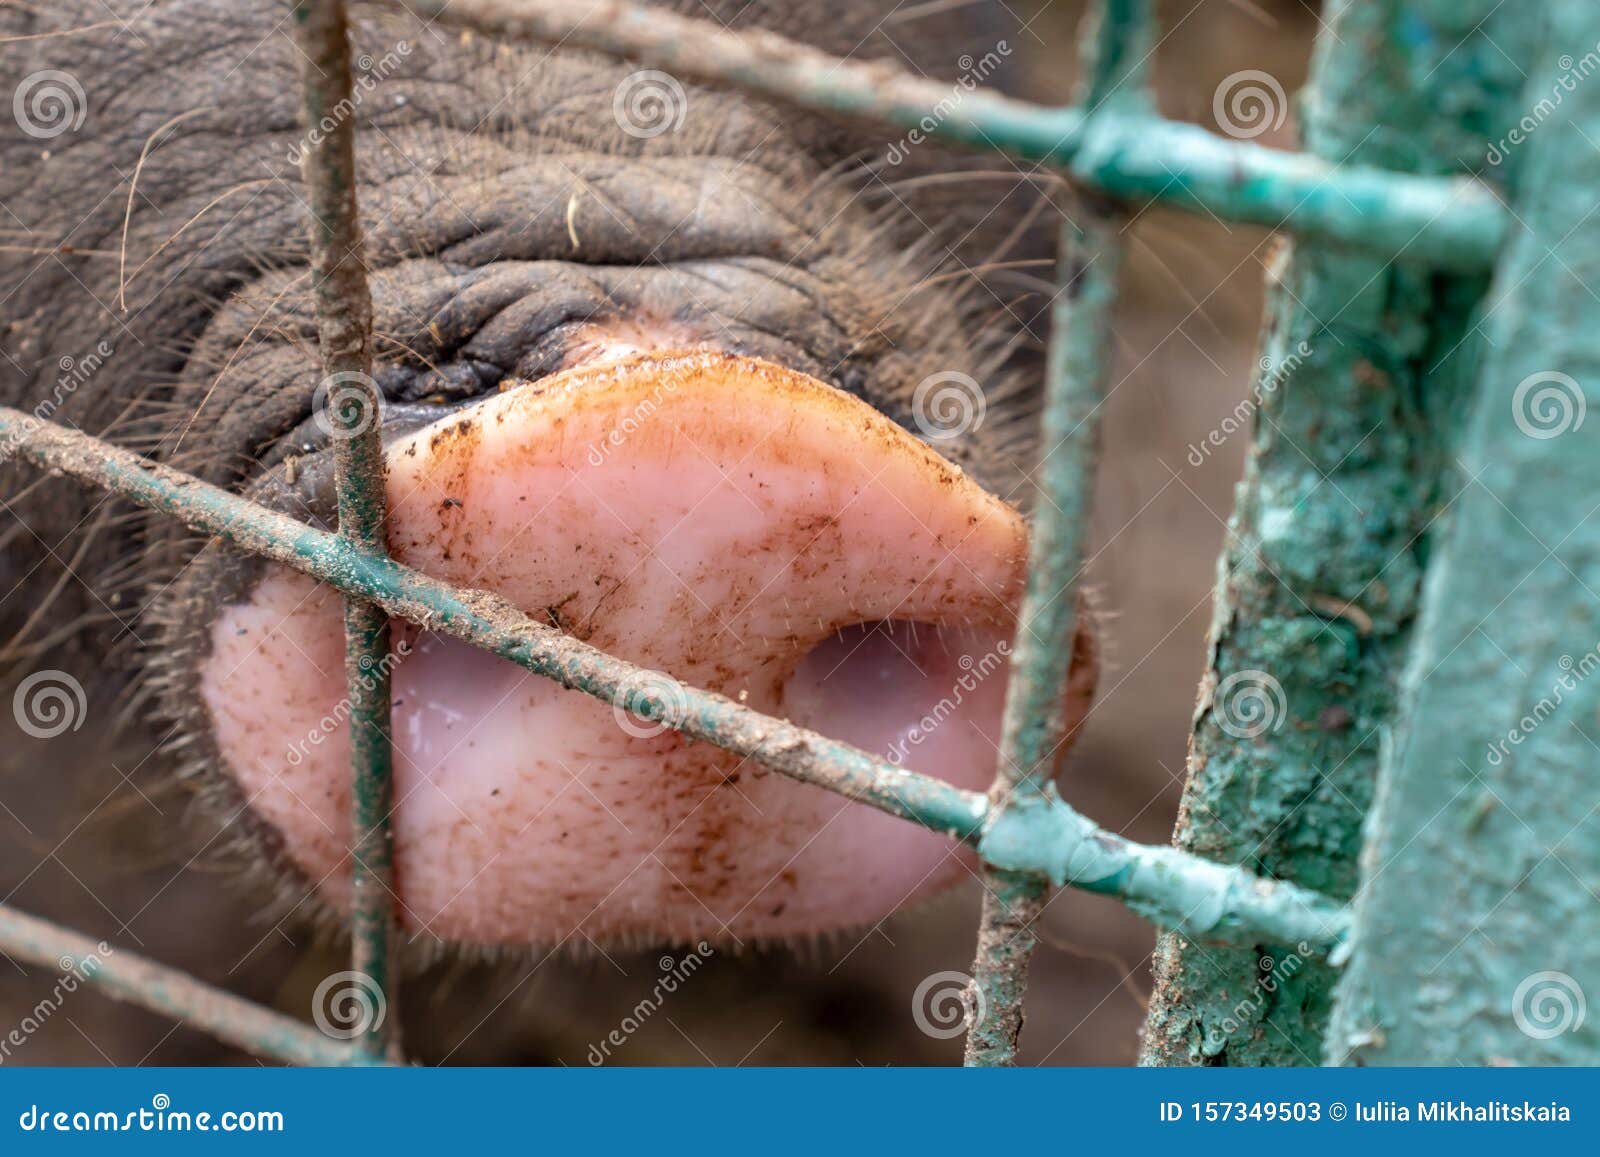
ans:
(918, 694)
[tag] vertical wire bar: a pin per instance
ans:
(344, 325)
(1077, 367)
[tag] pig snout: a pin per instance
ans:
(743, 527)
(709, 399)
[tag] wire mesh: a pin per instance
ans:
(1121, 153)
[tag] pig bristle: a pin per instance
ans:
(237, 338)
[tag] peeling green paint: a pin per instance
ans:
(1477, 935)
(1320, 577)
(1166, 886)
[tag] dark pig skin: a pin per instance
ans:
(154, 285)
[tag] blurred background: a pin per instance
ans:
(95, 852)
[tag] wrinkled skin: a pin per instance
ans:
(518, 236)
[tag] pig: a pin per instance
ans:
(728, 389)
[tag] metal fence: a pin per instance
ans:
(1122, 155)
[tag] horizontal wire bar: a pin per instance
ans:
(1174, 888)
(124, 975)
(1450, 222)
(490, 623)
